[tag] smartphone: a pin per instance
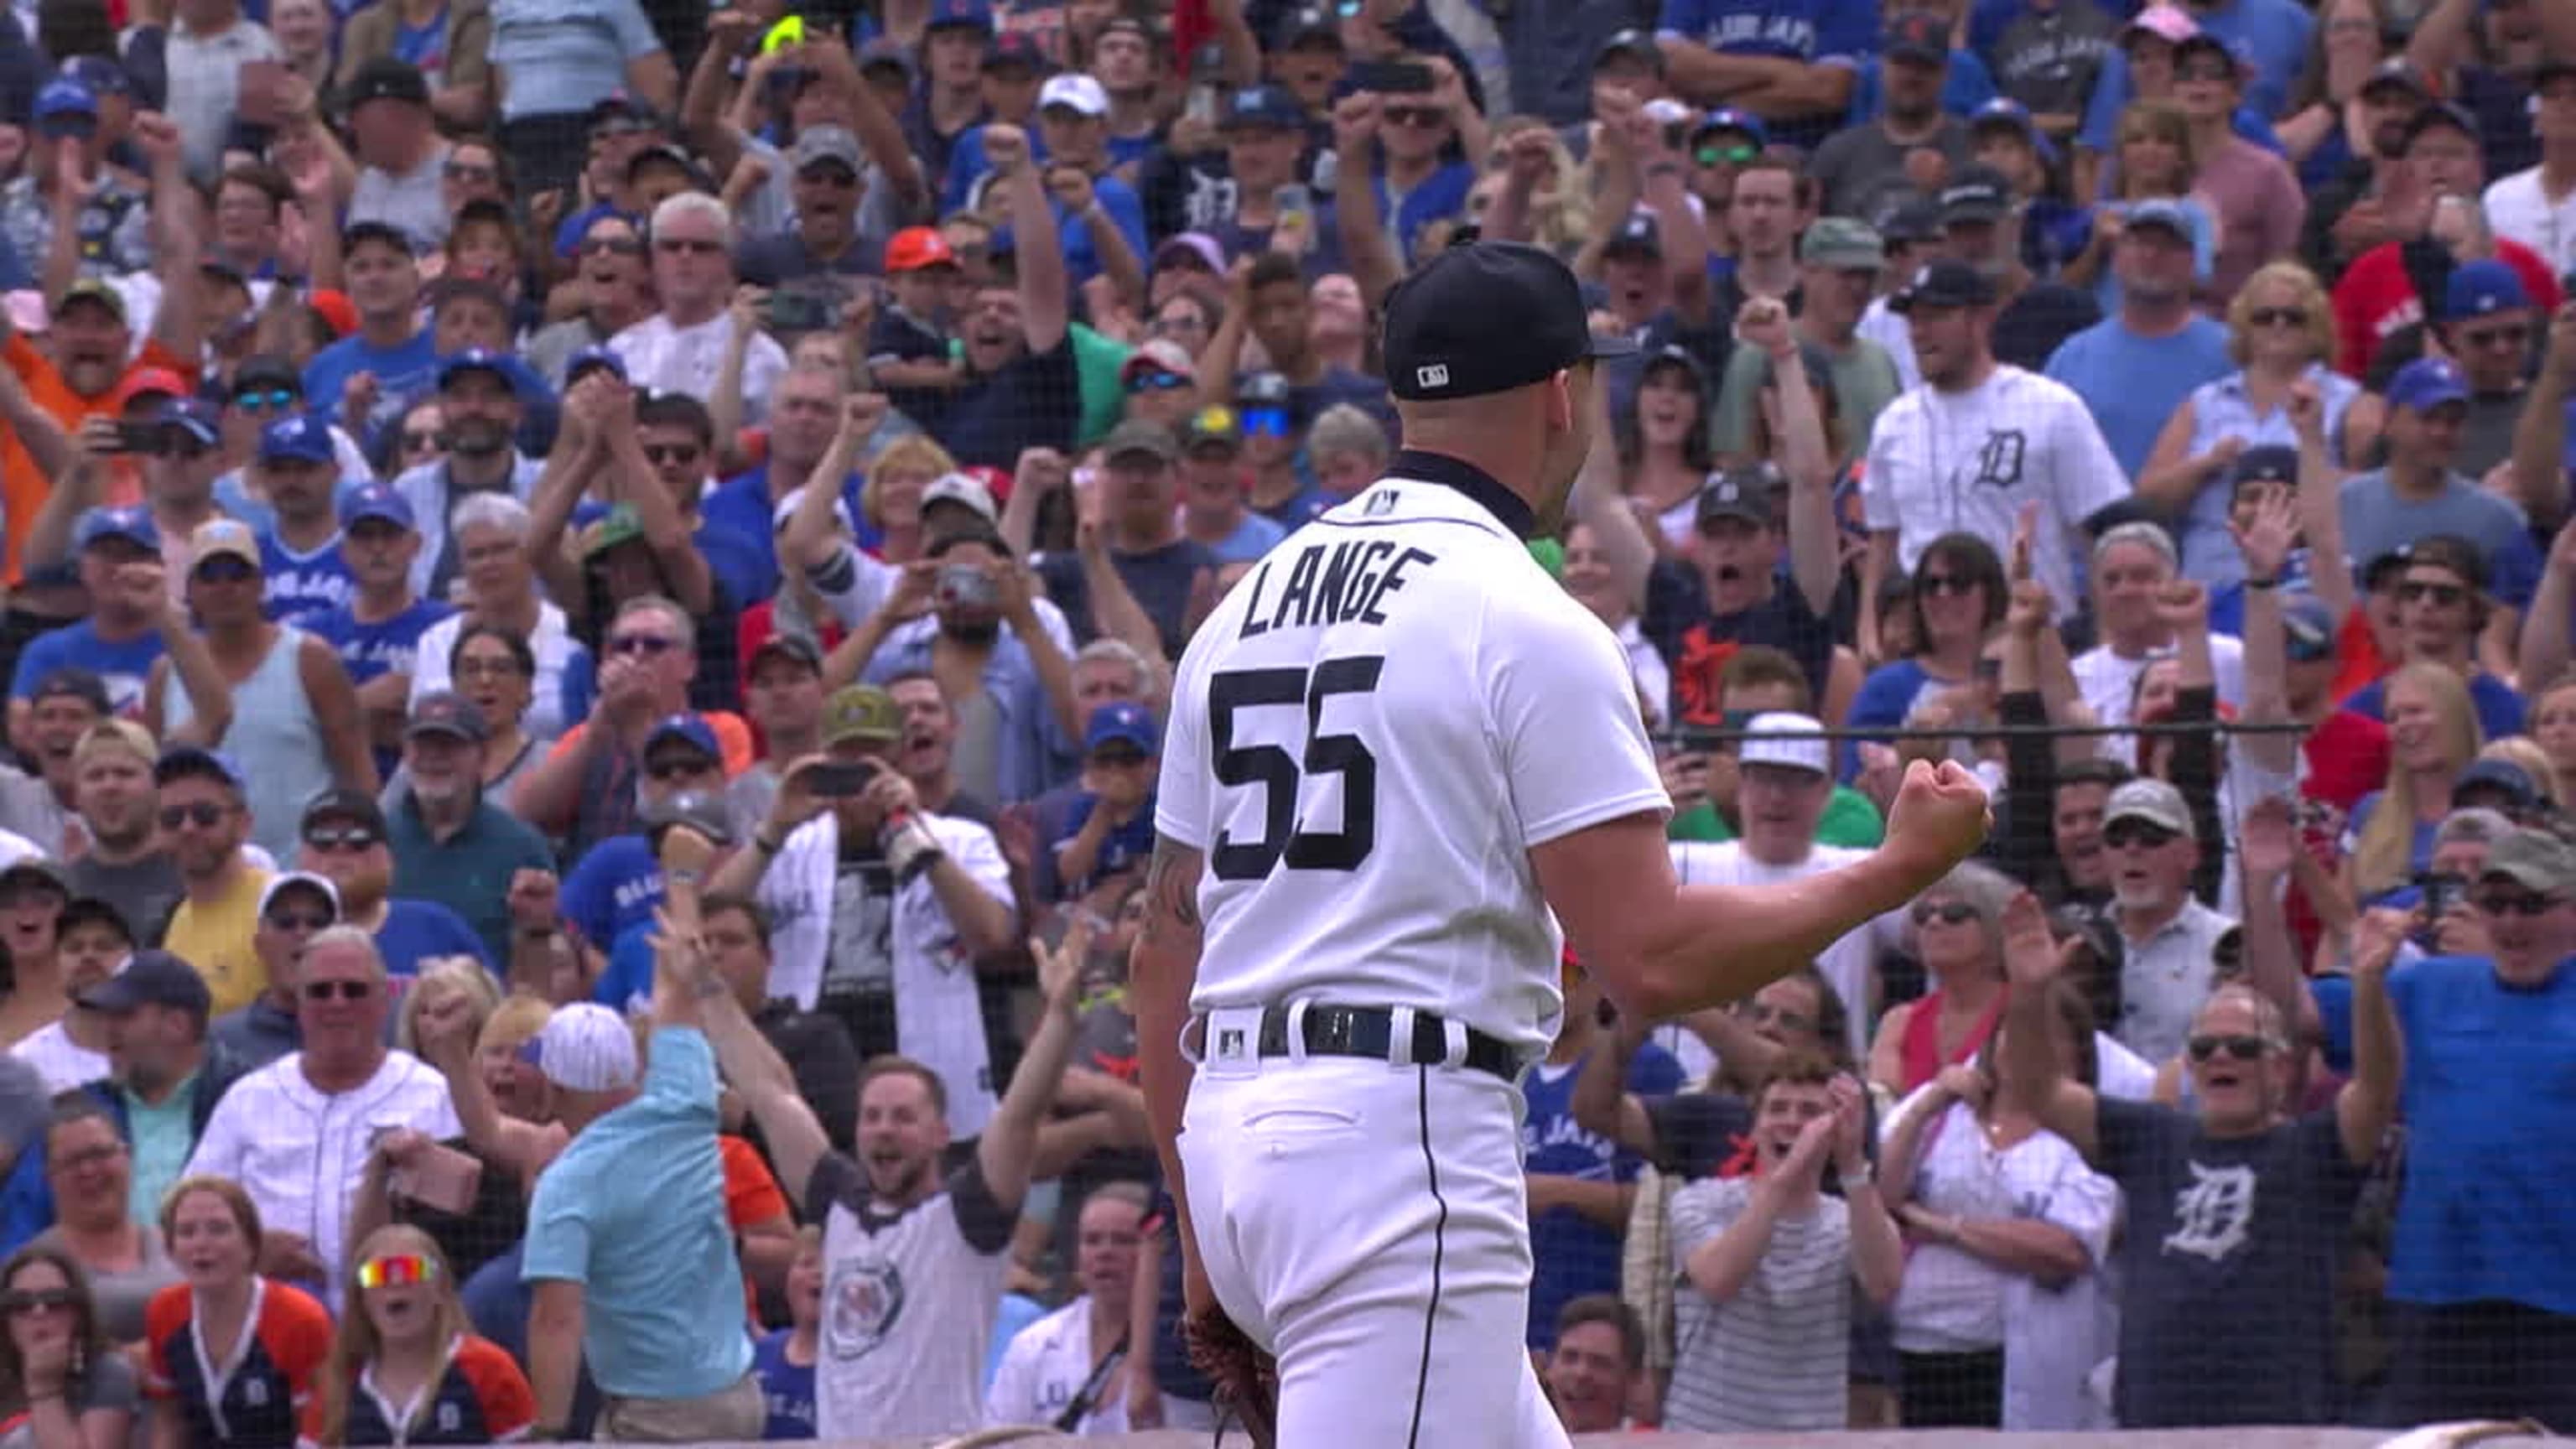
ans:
(965, 586)
(147, 438)
(2442, 894)
(1293, 199)
(798, 312)
(1392, 77)
(840, 779)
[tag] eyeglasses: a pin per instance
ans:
(294, 921)
(1732, 155)
(1157, 382)
(2121, 834)
(205, 814)
(1952, 913)
(1265, 422)
(260, 400)
(615, 246)
(342, 990)
(831, 176)
(2417, 591)
(693, 245)
(1957, 586)
(478, 175)
(2278, 316)
(225, 569)
(2242, 1048)
(418, 440)
(672, 452)
(351, 838)
(678, 768)
(501, 668)
(2496, 337)
(397, 1269)
(37, 1300)
(1420, 118)
(647, 645)
(2512, 903)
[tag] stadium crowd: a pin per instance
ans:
(591, 590)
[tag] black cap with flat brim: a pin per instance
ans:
(1487, 318)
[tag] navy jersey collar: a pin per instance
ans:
(1506, 506)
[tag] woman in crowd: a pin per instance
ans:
(500, 589)
(1664, 450)
(890, 502)
(517, 1087)
(232, 1355)
(2280, 330)
(2433, 736)
(405, 1368)
(417, 439)
(2005, 1221)
(783, 1358)
(63, 1385)
(1348, 449)
(2157, 160)
(1958, 936)
(2553, 727)
(90, 1169)
(495, 670)
(1590, 579)
(449, 989)
(1959, 595)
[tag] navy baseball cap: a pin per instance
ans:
(1015, 47)
(1730, 118)
(1264, 105)
(180, 762)
(2308, 626)
(381, 502)
(1637, 236)
(1977, 193)
(151, 977)
(2445, 113)
(297, 438)
(194, 418)
(961, 15)
(62, 104)
(2268, 463)
(134, 525)
(1919, 36)
(472, 359)
(104, 75)
(445, 712)
(689, 729)
(592, 358)
(1487, 318)
(1631, 44)
(2428, 383)
(1944, 283)
(2482, 286)
(1125, 722)
(1308, 23)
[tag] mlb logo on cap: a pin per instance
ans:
(1435, 375)
(2480, 287)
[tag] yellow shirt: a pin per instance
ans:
(215, 937)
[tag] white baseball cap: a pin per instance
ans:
(1781, 738)
(965, 491)
(1076, 90)
(585, 1047)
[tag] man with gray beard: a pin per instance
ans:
(482, 412)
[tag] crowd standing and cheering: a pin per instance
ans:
(591, 591)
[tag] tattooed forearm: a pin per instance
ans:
(1172, 894)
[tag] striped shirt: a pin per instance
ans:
(1775, 1356)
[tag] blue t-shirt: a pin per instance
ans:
(388, 646)
(2499, 708)
(2377, 522)
(1125, 846)
(1813, 31)
(2490, 1104)
(616, 886)
(742, 507)
(1885, 698)
(2132, 384)
(2419, 853)
(786, 1389)
(1256, 535)
(1574, 1254)
(301, 587)
(1965, 86)
(123, 665)
(416, 931)
(1440, 196)
(401, 372)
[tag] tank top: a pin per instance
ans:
(275, 740)
(1921, 1046)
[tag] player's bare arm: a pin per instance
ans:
(1661, 948)
(1161, 971)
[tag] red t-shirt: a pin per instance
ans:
(2376, 298)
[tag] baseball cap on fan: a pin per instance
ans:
(585, 1047)
(1487, 318)
(1779, 737)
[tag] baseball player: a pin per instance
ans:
(1399, 756)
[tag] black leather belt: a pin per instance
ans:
(1369, 1031)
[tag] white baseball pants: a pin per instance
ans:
(1368, 1224)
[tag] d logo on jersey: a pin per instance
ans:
(861, 1308)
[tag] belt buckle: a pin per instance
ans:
(1230, 1043)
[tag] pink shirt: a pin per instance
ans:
(2260, 211)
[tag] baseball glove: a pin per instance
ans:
(1246, 1377)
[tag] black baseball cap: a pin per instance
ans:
(1944, 283)
(151, 978)
(73, 682)
(354, 806)
(1977, 193)
(1631, 44)
(387, 79)
(1486, 318)
(2445, 113)
(1751, 494)
(2269, 463)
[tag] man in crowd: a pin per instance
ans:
(2443, 606)
(1598, 1363)
(167, 1074)
(346, 843)
(1049, 1372)
(303, 573)
(2420, 491)
(680, 347)
(204, 817)
(293, 909)
(362, 379)
(128, 863)
(2134, 367)
(482, 413)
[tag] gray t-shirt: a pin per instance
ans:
(410, 201)
(144, 891)
(205, 87)
(2047, 60)
(2376, 522)
(122, 1296)
(109, 1383)
(1776, 1356)
(1860, 170)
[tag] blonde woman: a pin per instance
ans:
(2525, 754)
(2156, 159)
(448, 987)
(2553, 727)
(406, 1368)
(1533, 189)
(890, 500)
(2432, 735)
(2281, 332)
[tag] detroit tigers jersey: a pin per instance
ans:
(1370, 734)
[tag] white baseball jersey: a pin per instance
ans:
(1367, 738)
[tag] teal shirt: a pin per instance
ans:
(634, 1211)
(163, 1138)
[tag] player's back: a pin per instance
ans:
(1367, 737)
